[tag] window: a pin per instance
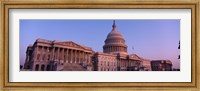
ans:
(43, 57)
(38, 56)
(48, 67)
(42, 68)
(37, 67)
(101, 62)
(48, 57)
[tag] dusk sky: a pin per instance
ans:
(149, 39)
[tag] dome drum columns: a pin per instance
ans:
(109, 49)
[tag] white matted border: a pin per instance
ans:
(68, 76)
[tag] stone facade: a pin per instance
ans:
(146, 64)
(105, 62)
(46, 55)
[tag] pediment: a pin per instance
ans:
(134, 56)
(71, 44)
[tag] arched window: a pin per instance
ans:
(48, 67)
(42, 68)
(37, 67)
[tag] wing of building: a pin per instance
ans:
(49, 55)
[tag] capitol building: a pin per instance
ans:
(46, 55)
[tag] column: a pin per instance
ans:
(71, 56)
(36, 52)
(89, 58)
(39, 69)
(83, 57)
(75, 56)
(66, 58)
(56, 54)
(68, 55)
(63, 55)
(46, 54)
(58, 58)
(60, 55)
(79, 56)
(41, 54)
(52, 54)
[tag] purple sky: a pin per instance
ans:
(151, 39)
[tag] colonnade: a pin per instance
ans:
(61, 55)
(115, 48)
